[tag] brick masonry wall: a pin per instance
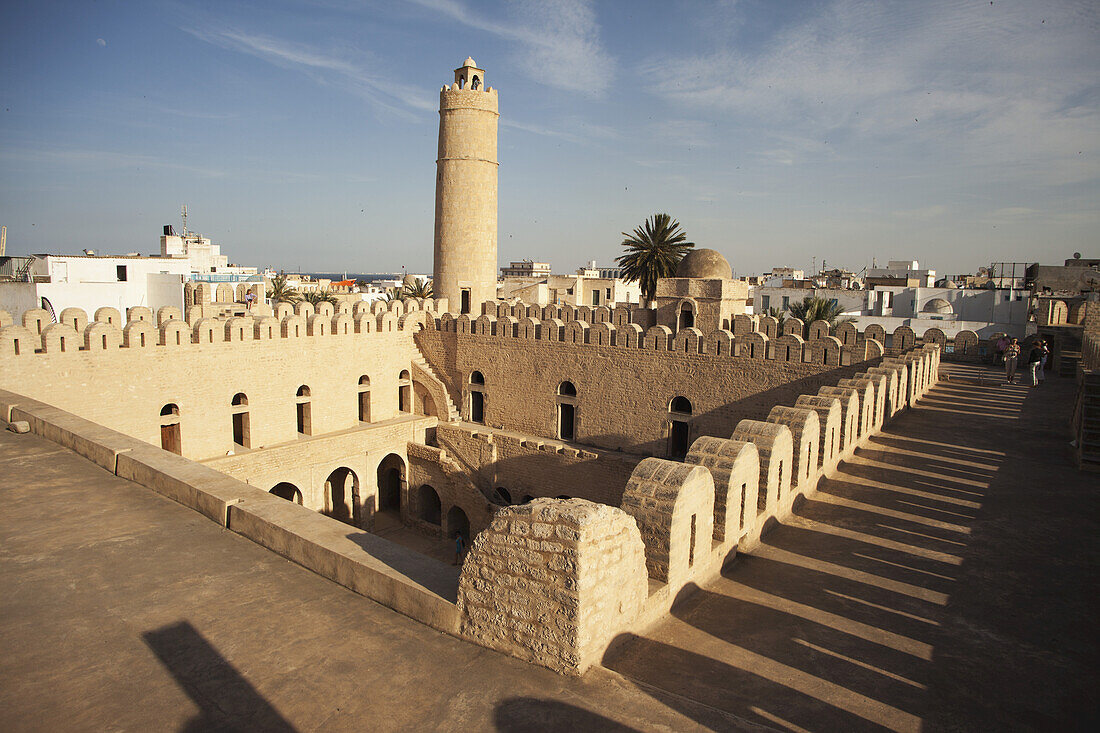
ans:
(526, 466)
(308, 462)
(623, 394)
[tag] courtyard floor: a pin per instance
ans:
(942, 580)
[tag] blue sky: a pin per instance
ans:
(303, 134)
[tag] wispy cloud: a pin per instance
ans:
(325, 66)
(558, 41)
(967, 84)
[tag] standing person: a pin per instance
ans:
(1043, 361)
(1034, 360)
(999, 350)
(1012, 354)
(460, 548)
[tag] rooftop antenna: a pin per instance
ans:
(183, 211)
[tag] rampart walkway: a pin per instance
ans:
(942, 580)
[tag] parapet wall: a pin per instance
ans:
(123, 377)
(625, 381)
(690, 517)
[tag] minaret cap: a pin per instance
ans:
(469, 76)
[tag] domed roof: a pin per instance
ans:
(937, 305)
(409, 280)
(469, 62)
(706, 264)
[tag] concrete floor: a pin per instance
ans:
(941, 581)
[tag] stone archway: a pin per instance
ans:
(288, 491)
(391, 483)
(342, 495)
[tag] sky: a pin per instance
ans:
(302, 135)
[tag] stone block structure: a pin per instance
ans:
(553, 582)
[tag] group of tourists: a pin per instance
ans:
(1010, 352)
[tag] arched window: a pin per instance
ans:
(364, 398)
(679, 434)
(567, 411)
(305, 416)
(170, 439)
(687, 316)
(242, 430)
(404, 391)
(476, 399)
(475, 83)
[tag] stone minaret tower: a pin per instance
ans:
(466, 193)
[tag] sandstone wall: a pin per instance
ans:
(623, 394)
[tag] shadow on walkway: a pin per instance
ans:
(940, 580)
(226, 700)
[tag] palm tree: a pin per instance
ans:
(653, 251)
(813, 309)
(316, 297)
(280, 292)
(393, 294)
(780, 316)
(418, 289)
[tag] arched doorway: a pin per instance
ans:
(305, 414)
(288, 491)
(567, 410)
(342, 495)
(242, 432)
(503, 496)
(391, 480)
(679, 413)
(430, 508)
(458, 523)
(404, 391)
(170, 439)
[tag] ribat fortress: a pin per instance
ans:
(598, 461)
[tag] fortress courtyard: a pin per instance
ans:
(940, 580)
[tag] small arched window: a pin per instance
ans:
(303, 391)
(477, 378)
(475, 84)
(566, 389)
(681, 405)
(364, 381)
(170, 409)
(240, 399)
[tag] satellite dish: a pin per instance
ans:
(1076, 255)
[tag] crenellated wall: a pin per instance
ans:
(625, 379)
(122, 377)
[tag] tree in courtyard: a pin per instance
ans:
(316, 297)
(417, 289)
(813, 309)
(281, 292)
(653, 251)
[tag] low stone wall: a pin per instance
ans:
(411, 584)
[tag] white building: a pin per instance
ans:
(586, 287)
(904, 273)
(204, 258)
(90, 282)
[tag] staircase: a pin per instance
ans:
(422, 364)
(1088, 426)
(1067, 363)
